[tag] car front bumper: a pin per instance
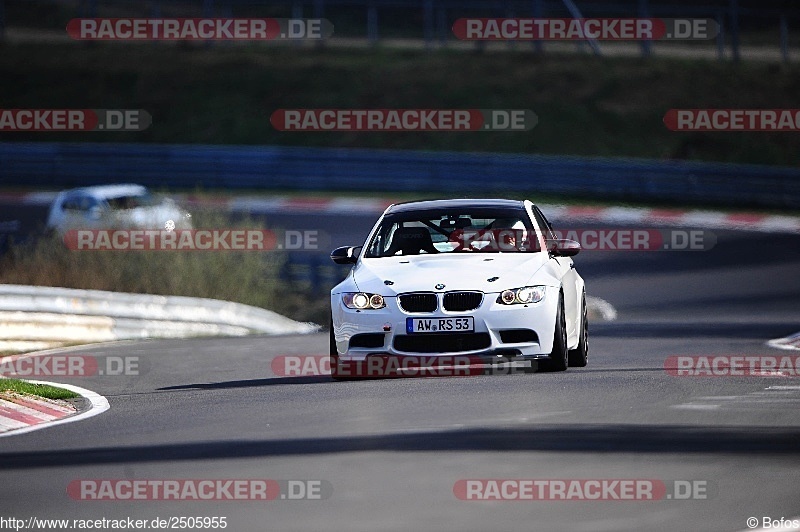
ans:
(385, 333)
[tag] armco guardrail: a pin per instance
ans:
(38, 313)
(450, 173)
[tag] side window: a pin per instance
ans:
(88, 202)
(76, 204)
(382, 240)
(542, 222)
(71, 203)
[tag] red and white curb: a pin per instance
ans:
(791, 342)
(701, 219)
(625, 215)
(743, 221)
(18, 411)
(20, 414)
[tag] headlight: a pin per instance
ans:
(526, 294)
(361, 301)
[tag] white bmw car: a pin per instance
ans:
(483, 278)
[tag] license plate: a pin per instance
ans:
(439, 325)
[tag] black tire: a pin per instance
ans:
(559, 356)
(334, 357)
(579, 356)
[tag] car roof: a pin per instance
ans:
(110, 191)
(454, 203)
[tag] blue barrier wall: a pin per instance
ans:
(60, 165)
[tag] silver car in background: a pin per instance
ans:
(115, 206)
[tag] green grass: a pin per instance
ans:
(225, 95)
(41, 390)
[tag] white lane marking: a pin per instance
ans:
(98, 402)
(772, 395)
(697, 406)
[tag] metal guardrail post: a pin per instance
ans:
(319, 12)
(538, 12)
(372, 24)
(427, 23)
(509, 13)
(575, 12)
(443, 30)
(297, 12)
(644, 12)
(208, 12)
(2, 20)
(733, 13)
(784, 39)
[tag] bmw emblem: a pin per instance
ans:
(439, 286)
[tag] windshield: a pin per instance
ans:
(133, 201)
(461, 231)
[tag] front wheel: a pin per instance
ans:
(334, 357)
(579, 356)
(559, 356)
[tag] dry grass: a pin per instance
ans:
(247, 277)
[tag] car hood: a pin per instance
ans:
(151, 217)
(456, 271)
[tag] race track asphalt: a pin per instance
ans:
(392, 450)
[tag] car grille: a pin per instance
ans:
(442, 343)
(418, 302)
(461, 301)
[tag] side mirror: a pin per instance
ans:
(563, 247)
(346, 254)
